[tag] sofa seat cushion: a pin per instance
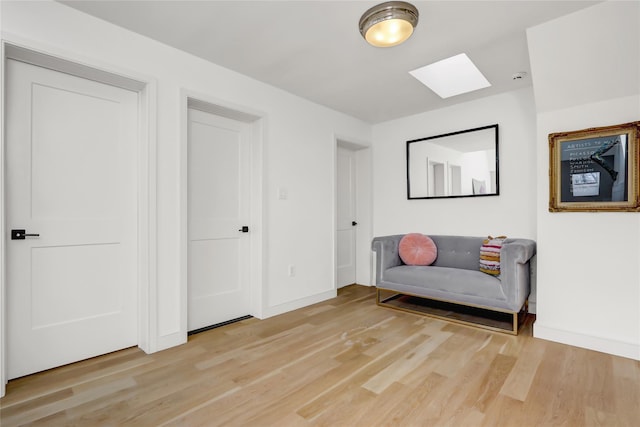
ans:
(446, 280)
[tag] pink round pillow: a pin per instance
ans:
(417, 249)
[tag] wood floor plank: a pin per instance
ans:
(626, 394)
(504, 411)
(30, 387)
(447, 402)
(42, 411)
(342, 362)
(330, 396)
(481, 397)
(519, 380)
(406, 364)
(399, 401)
(321, 379)
(352, 404)
(459, 349)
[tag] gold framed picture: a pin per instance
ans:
(595, 170)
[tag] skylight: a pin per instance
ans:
(452, 76)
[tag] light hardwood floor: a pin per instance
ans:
(343, 362)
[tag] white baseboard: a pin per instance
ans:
(604, 345)
(170, 340)
(299, 303)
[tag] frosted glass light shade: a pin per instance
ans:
(389, 33)
(389, 24)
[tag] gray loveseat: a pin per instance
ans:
(455, 278)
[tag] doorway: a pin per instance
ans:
(346, 218)
(353, 256)
(222, 181)
(219, 170)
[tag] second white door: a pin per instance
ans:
(346, 217)
(219, 173)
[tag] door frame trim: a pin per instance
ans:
(258, 121)
(46, 56)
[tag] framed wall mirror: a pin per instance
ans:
(457, 164)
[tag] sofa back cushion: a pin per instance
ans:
(458, 251)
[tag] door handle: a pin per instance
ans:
(354, 223)
(21, 234)
(244, 229)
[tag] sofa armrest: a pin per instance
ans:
(514, 270)
(387, 256)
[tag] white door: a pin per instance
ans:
(71, 178)
(346, 217)
(219, 162)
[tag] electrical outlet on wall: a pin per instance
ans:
(282, 193)
(291, 270)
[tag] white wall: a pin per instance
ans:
(298, 153)
(512, 213)
(586, 73)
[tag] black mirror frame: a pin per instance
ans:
(496, 193)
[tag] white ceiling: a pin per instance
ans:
(314, 49)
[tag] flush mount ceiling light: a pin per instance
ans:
(389, 24)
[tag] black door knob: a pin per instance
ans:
(244, 229)
(354, 223)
